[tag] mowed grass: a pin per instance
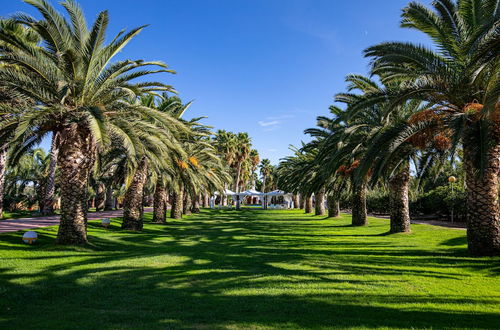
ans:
(249, 269)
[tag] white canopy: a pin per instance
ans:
(276, 193)
(227, 192)
(250, 192)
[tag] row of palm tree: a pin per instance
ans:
(420, 106)
(110, 125)
(236, 149)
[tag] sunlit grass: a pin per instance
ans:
(249, 269)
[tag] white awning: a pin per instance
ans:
(276, 193)
(249, 192)
(227, 192)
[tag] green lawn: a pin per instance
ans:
(19, 214)
(7, 215)
(249, 269)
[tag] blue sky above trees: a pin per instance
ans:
(267, 67)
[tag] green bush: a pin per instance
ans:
(441, 201)
(377, 202)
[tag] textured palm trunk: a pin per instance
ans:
(160, 203)
(399, 204)
(187, 203)
(206, 200)
(75, 161)
(133, 199)
(47, 207)
(333, 206)
(100, 197)
(359, 205)
(308, 204)
(237, 186)
(195, 208)
(177, 199)
(483, 209)
(109, 204)
(302, 202)
(3, 167)
(295, 200)
(319, 207)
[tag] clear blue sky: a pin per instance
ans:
(267, 67)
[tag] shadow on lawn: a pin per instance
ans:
(224, 271)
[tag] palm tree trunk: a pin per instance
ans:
(160, 203)
(186, 207)
(483, 209)
(237, 186)
(132, 204)
(223, 197)
(47, 207)
(302, 201)
(177, 199)
(110, 200)
(75, 161)
(359, 205)
(100, 197)
(308, 204)
(320, 202)
(399, 207)
(295, 200)
(264, 198)
(333, 206)
(3, 167)
(195, 208)
(205, 201)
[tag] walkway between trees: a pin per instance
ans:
(38, 222)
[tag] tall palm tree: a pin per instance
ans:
(226, 144)
(243, 143)
(254, 160)
(265, 170)
(26, 177)
(459, 79)
(298, 173)
(11, 29)
(378, 120)
(152, 157)
(80, 95)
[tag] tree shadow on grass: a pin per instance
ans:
(221, 269)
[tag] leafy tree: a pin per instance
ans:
(80, 94)
(459, 79)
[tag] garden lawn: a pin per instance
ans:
(249, 269)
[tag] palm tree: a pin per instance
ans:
(378, 121)
(26, 177)
(172, 106)
(298, 173)
(343, 144)
(153, 156)
(80, 95)
(460, 81)
(265, 170)
(254, 161)
(11, 29)
(243, 143)
(226, 144)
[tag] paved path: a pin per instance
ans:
(38, 222)
(440, 223)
